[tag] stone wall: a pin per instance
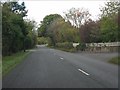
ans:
(103, 47)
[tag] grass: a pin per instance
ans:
(72, 50)
(9, 62)
(115, 60)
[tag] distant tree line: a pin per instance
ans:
(105, 29)
(77, 26)
(17, 33)
(57, 30)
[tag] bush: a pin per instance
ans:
(67, 45)
(42, 40)
(30, 41)
(49, 42)
(81, 46)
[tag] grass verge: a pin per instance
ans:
(9, 62)
(72, 50)
(115, 60)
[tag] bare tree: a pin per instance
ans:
(77, 16)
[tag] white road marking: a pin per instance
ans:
(84, 72)
(61, 58)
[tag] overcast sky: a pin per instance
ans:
(37, 10)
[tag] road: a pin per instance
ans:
(50, 68)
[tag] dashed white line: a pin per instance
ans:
(61, 58)
(84, 72)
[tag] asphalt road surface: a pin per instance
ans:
(50, 68)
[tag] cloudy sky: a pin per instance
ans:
(37, 9)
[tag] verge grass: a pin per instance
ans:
(9, 62)
(115, 60)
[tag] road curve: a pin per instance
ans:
(50, 68)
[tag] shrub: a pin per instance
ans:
(50, 42)
(81, 46)
(67, 45)
(42, 40)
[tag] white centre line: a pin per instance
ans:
(61, 58)
(84, 72)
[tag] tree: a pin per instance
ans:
(12, 33)
(60, 31)
(109, 22)
(42, 30)
(19, 9)
(0, 26)
(15, 30)
(31, 38)
(95, 33)
(90, 32)
(111, 8)
(77, 16)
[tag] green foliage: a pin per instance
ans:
(50, 42)
(106, 29)
(109, 22)
(115, 60)
(55, 27)
(42, 30)
(12, 32)
(31, 38)
(67, 45)
(81, 46)
(109, 29)
(42, 40)
(16, 32)
(9, 62)
(90, 32)
(72, 50)
(18, 9)
(61, 31)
